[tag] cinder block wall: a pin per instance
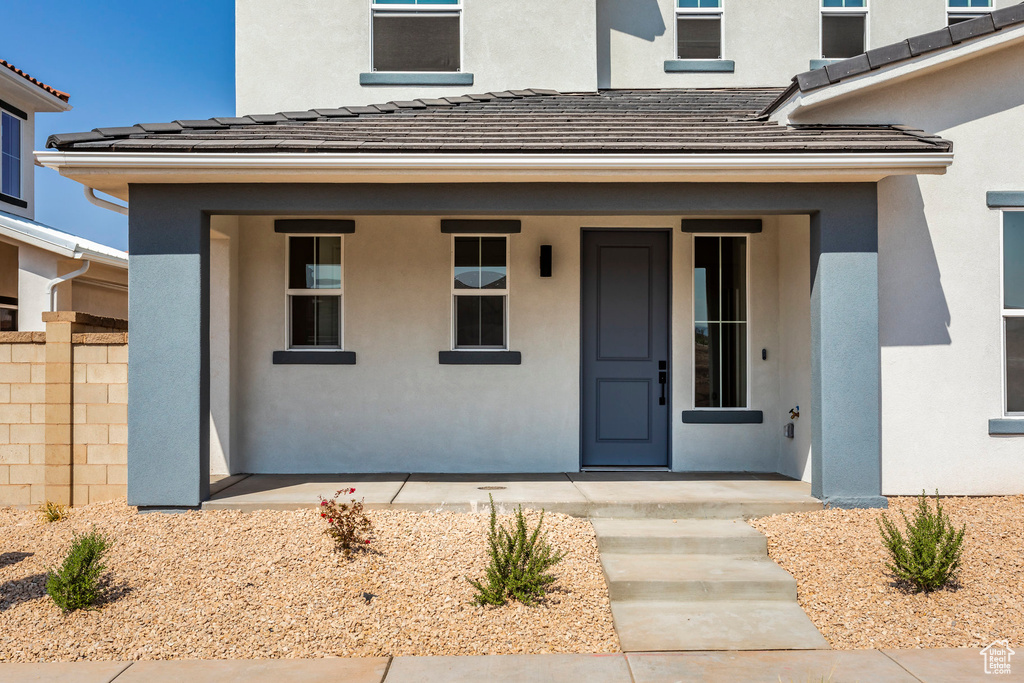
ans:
(63, 411)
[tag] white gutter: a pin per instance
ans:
(69, 162)
(90, 194)
(64, 278)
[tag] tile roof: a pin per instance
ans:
(946, 37)
(53, 91)
(539, 121)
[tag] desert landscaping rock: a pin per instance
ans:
(228, 584)
(838, 560)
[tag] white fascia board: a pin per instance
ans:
(112, 171)
(42, 101)
(56, 242)
(800, 104)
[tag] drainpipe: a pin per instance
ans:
(90, 194)
(63, 278)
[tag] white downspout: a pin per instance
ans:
(63, 278)
(90, 194)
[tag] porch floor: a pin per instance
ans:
(582, 494)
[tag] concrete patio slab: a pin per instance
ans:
(609, 668)
(61, 672)
(952, 665)
(219, 482)
(851, 666)
(297, 491)
(468, 492)
(368, 670)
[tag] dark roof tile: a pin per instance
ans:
(887, 54)
(929, 42)
(809, 80)
(1007, 16)
(972, 28)
(170, 127)
(200, 124)
(847, 67)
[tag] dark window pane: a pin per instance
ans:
(467, 262)
(428, 42)
(734, 278)
(842, 35)
(479, 321)
(734, 365)
(1013, 259)
(480, 263)
(702, 367)
(315, 321)
(8, 320)
(10, 155)
(706, 278)
(699, 37)
(492, 262)
(1015, 365)
(315, 263)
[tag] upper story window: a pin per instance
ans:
(843, 28)
(417, 35)
(962, 10)
(314, 291)
(480, 292)
(1013, 309)
(698, 29)
(720, 321)
(10, 155)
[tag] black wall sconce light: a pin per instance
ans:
(545, 260)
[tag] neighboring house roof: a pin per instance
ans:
(902, 51)
(699, 121)
(53, 91)
(58, 242)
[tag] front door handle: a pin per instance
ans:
(663, 381)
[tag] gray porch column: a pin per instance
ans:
(169, 354)
(845, 359)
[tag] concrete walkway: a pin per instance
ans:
(583, 494)
(865, 666)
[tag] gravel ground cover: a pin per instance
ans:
(225, 584)
(838, 560)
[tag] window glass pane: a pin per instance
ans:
(8, 320)
(699, 37)
(842, 35)
(492, 263)
(1015, 365)
(705, 279)
(1013, 259)
(315, 263)
(10, 155)
(479, 321)
(416, 43)
(316, 321)
(702, 340)
(699, 4)
(842, 3)
(733, 358)
(480, 263)
(734, 278)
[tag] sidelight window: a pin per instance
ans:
(843, 28)
(1013, 310)
(417, 35)
(698, 29)
(314, 291)
(720, 321)
(480, 292)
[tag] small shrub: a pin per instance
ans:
(76, 583)
(519, 562)
(347, 524)
(928, 557)
(50, 512)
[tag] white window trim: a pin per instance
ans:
(481, 292)
(289, 293)
(1006, 312)
(21, 153)
(700, 12)
(693, 323)
(413, 9)
(843, 11)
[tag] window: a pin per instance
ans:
(8, 316)
(10, 155)
(963, 10)
(720, 321)
(843, 28)
(1013, 309)
(699, 29)
(314, 291)
(480, 292)
(417, 35)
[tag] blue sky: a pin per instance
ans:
(123, 62)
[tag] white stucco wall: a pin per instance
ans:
(397, 409)
(939, 264)
(36, 268)
(223, 336)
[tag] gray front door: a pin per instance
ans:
(625, 285)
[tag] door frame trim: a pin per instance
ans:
(670, 455)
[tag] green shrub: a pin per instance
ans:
(929, 555)
(76, 583)
(519, 562)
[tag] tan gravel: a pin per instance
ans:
(838, 560)
(224, 584)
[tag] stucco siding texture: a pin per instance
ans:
(939, 279)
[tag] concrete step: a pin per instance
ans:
(701, 508)
(695, 578)
(682, 536)
(655, 626)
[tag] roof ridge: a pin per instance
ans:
(63, 96)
